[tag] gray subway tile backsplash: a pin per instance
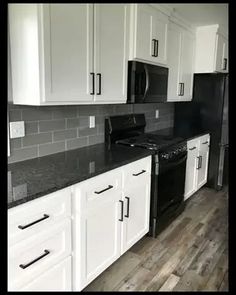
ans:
(52, 129)
(52, 125)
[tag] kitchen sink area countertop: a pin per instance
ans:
(31, 179)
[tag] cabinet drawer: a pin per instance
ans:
(92, 192)
(193, 144)
(31, 257)
(30, 218)
(204, 140)
(57, 278)
(136, 171)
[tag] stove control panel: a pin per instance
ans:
(173, 151)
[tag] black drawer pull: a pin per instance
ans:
(99, 83)
(46, 252)
(122, 210)
(193, 148)
(157, 45)
(154, 47)
(109, 187)
(225, 64)
(127, 213)
(205, 142)
(198, 162)
(45, 216)
(143, 171)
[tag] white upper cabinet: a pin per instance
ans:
(211, 50)
(149, 28)
(180, 63)
(110, 48)
(68, 53)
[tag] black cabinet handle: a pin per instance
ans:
(99, 83)
(106, 189)
(122, 210)
(193, 148)
(143, 171)
(127, 213)
(45, 216)
(93, 78)
(205, 142)
(157, 45)
(198, 162)
(225, 64)
(181, 92)
(154, 47)
(46, 252)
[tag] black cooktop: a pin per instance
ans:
(151, 141)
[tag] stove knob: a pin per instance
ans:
(165, 156)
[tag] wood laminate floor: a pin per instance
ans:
(189, 255)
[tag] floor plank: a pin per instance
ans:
(191, 254)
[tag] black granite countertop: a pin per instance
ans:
(31, 179)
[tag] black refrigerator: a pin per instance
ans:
(208, 112)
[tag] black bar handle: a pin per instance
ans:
(93, 81)
(106, 189)
(193, 148)
(225, 64)
(198, 162)
(128, 201)
(46, 252)
(157, 45)
(180, 91)
(183, 90)
(143, 171)
(122, 210)
(154, 47)
(45, 216)
(99, 83)
(205, 142)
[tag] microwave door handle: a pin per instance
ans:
(147, 82)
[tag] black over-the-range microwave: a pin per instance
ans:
(147, 83)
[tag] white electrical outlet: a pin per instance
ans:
(157, 114)
(17, 129)
(91, 121)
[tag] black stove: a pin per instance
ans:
(168, 165)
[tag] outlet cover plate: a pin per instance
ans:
(157, 114)
(17, 129)
(91, 121)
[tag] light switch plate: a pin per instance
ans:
(157, 114)
(17, 129)
(91, 121)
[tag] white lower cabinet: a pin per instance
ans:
(109, 216)
(57, 278)
(197, 164)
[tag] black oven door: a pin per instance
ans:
(146, 83)
(171, 183)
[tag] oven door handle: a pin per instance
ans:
(147, 81)
(169, 165)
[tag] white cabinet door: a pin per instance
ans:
(203, 162)
(57, 278)
(174, 60)
(100, 238)
(191, 168)
(159, 33)
(187, 60)
(110, 52)
(68, 52)
(136, 213)
(150, 34)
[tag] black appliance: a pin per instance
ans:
(208, 112)
(146, 83)
(168, 165)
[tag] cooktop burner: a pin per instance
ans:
(150, 141)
